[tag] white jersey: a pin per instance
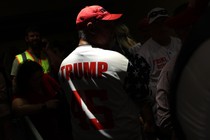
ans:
(96, 77)
(157, 56)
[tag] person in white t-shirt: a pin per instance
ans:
(159, 48)
(190, 86)
(106, 92)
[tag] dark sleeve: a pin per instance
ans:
(136, 83)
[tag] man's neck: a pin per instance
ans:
(36, 53)
(83, 42)
(164, 41)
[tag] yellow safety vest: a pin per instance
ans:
(28, 56)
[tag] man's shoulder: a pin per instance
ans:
(21, 53)
(176, 39)
(95, 54)
(149, 44)
(101, 53)
(146, 48)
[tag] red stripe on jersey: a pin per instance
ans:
(97, 124)
(77, 97)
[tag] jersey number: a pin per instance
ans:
(93, 100)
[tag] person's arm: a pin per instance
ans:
(137, 88)
(163, 114)
(21, 106)
(13, 73)
(14, 67)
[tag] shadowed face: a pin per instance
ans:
(102, 33)
(158, 28)
(33, 39)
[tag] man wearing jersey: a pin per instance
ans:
(158, 49)
(107, 92)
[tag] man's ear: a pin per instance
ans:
(91, 28)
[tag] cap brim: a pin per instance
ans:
(81, 25)
(112, 17)
(151, 20)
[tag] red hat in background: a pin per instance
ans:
(188, 16)
(185, 19)
(90, 13)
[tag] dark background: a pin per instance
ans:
(56, 18)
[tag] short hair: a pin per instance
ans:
(24, 73)
(32, 28)
(81, 34)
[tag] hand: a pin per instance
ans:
(52, 104)
(45, 41)
(149, 128)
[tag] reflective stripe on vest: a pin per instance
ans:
(27, 56)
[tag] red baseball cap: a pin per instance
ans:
(93, 12)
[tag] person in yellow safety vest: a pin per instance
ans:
(28, 56)
(34, 52)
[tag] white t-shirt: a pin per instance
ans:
(163, 113)
(193, 95)
(157, 56)
(98, 76)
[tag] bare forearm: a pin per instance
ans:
(28, 109)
